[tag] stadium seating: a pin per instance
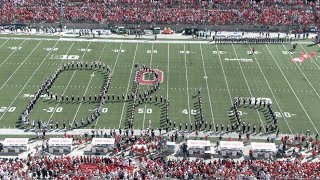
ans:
(116, 167)
(215, 12)
(85, 167)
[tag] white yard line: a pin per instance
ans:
(92, 75)
(225, 79)
(11, 53)
(187, 80)
(68, 82)
(4, 43)
(224, 75)
(145, 105)
(292, 90)
(114, 66)
(206, 78)
(20, 65)
(124, 104)
(27, 82)
(315, 91)
(274, 97)
(245, 78)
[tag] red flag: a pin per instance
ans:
(314, 53)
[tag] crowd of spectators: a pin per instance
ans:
(150, 164)
(87, 167)
(215, 12)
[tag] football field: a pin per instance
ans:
(222, 72)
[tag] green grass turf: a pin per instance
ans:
(293, 88)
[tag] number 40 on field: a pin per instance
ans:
(192, 111)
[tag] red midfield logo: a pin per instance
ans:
(143, 81)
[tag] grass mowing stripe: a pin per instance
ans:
(114, 66)
(124, 104)
(315, 91)
(75, 115)
(20, 65)
(292, 90)
(26, 82)
(245, 78)
(12, 53)
(274, 97)
(224, 74)
(69, 79)
(206, 78)
(88, 87)
(145, 106)
(187, 80)
(104, 46)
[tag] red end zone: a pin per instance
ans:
(141, 80)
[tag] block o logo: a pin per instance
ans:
(149, 77)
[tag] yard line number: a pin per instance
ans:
(51, 49)
(255, 52)
(287, 52)
(152, 51)
(84, 50)
(15, 48)
(142, 110)
(192, 111)
(8, 109)
(284, 114)
(220, 52)
(118, 50)
(53, 109)
(240, 113)
(184, 52)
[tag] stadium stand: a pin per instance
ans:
(118, 166)
(216, 12)
(140, 166)
(86, 167)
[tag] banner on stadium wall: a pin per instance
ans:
(8, 26)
